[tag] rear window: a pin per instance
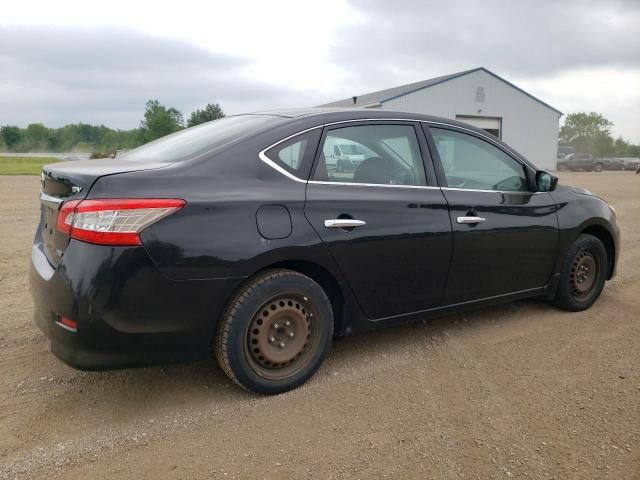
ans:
(296, 154)
(200, 139)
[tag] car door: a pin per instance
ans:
(385, 222)
(505, 235)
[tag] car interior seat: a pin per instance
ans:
(373, 170)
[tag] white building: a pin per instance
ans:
(483, 99)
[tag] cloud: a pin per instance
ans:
(414, 38)
(574, 54)
(578, 55)
(105, 75)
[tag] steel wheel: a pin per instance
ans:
(275, 332)
(584, 272)
(281, 338)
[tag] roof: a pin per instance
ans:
(329, 115)
(381, 96)
(293, 112)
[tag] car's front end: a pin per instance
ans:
(581, 212)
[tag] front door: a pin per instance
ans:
(504, 234)
(387, 229)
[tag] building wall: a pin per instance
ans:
(527, 125)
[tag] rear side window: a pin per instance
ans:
(292, 154)
(192, 141)
(296, 154)
(371, 154)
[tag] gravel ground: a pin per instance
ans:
(516, 391)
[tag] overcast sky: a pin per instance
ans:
(70, 61)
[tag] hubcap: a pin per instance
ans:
(280, 333)
(583, 274)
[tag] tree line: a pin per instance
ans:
(591, 133)
(157, 122)
(587, 132)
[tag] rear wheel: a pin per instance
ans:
(583, 274)
(597, 167)
(275, 333)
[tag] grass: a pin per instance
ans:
(24, 165)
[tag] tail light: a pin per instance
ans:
(67, 323)
(113, 221)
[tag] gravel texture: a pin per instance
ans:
(516, 391)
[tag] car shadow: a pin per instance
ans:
(182, 385)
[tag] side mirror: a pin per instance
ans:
(545, 182)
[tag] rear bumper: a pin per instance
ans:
(128, 313)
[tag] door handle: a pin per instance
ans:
(471, 220)
(344, 223)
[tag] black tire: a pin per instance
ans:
(597, 167)
(251, 342)
(577, 290)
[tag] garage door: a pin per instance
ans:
(493, 125)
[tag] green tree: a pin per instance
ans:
(159, 121)
(11, 136)
(35, 138)
(587, 132)
(621, 148)
(212, 111)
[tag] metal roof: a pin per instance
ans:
(381, 96)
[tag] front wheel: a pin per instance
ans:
(275, 332)
(583, 274)
(597, 167)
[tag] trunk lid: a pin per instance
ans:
(65, 181)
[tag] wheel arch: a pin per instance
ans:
(602, 234)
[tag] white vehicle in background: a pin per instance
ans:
(343, 155)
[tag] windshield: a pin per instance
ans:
(199, 139)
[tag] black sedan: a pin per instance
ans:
(239, 237)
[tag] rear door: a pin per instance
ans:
(385, 222)
(504, 234)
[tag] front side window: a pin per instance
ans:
(472, 163)
(372, 154)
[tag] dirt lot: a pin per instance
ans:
(521, 391)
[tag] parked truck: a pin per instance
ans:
(585, 162)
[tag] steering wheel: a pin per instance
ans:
(402, 176)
